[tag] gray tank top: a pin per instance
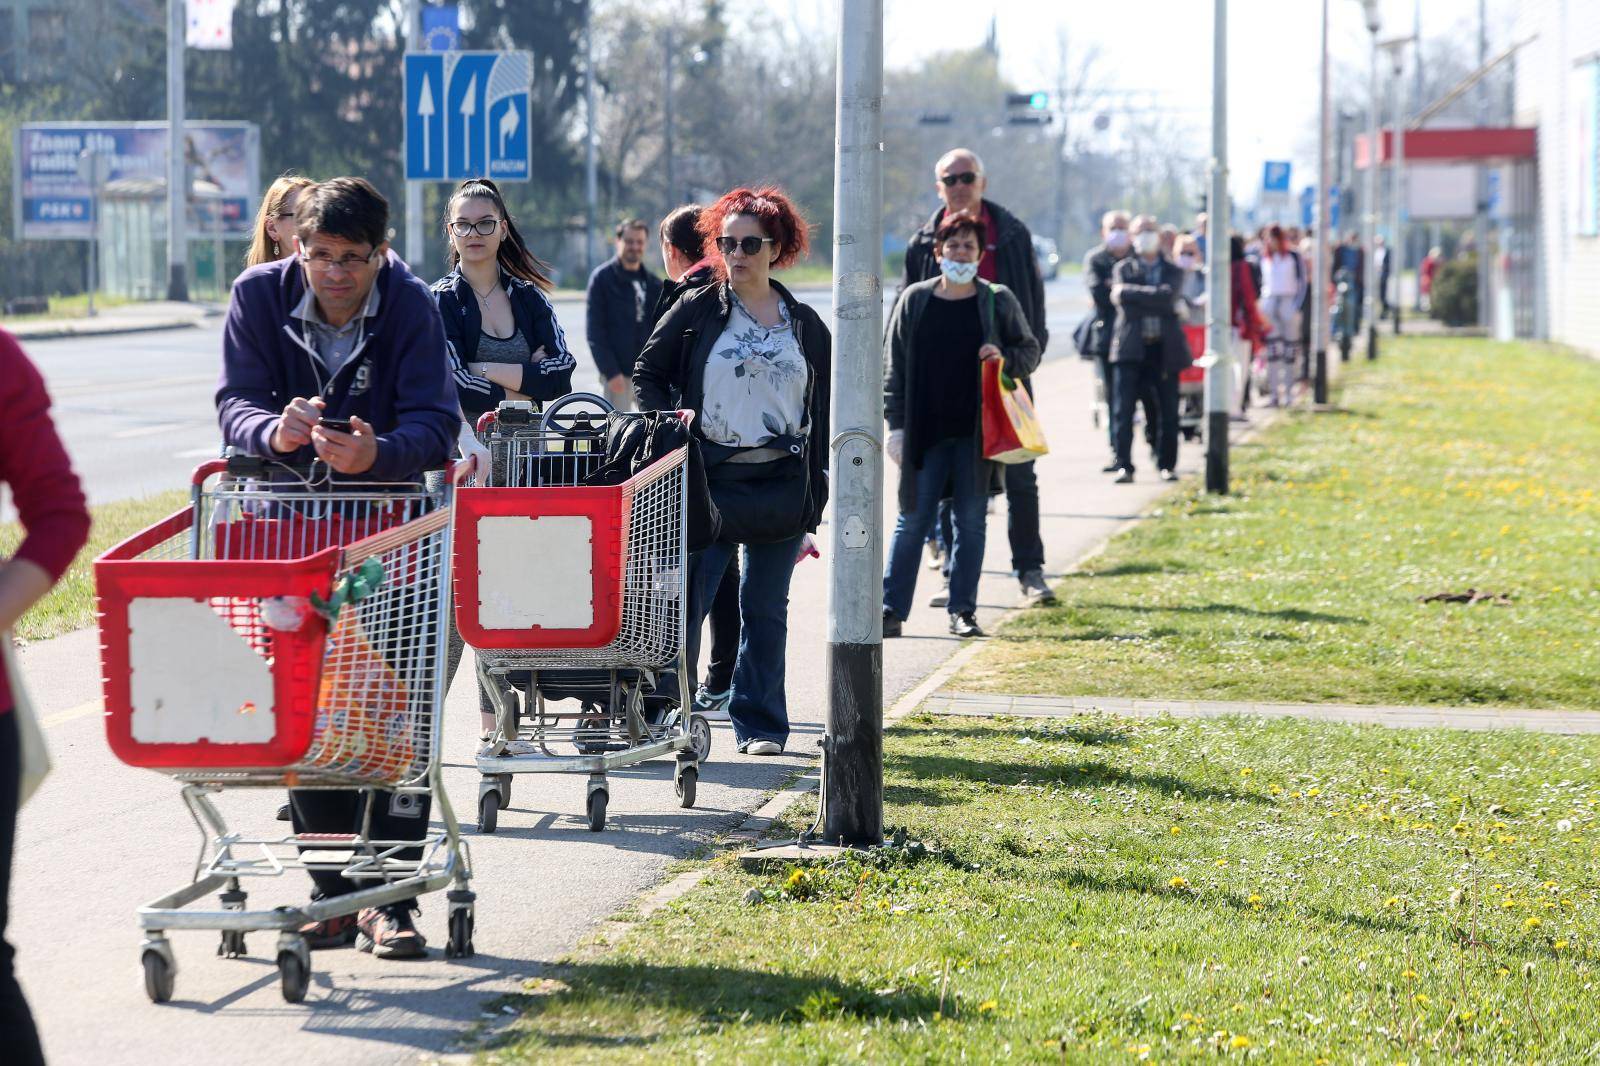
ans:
(512, 349)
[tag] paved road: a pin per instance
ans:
(138, 411)
(102, 838)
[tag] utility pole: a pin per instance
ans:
(669, 48)
(852, 794)
(1369, 208)
(591, 194)
(1397, 168)
(177, 160)
(415, 190)
(1219, 268)
(1322, 247)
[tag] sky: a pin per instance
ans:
(1273, 52)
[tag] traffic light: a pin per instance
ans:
(1038, 101)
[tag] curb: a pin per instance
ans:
(88, 329)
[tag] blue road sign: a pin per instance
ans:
(1275, 176)
(1308, 207)
(441, 28)
(466, 115)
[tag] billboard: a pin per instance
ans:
(51, 199)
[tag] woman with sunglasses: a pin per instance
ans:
(504, 340)
(752, 363)
(273, 237)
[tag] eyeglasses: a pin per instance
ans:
(324, 263)
(483, 227)
(747, 245)
(966, 178)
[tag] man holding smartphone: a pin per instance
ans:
(337, 354)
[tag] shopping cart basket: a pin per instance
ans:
(286, 630)
(576, 594)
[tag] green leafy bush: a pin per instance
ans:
(1455, 292)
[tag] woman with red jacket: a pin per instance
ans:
(56, 522)
(1248, 325)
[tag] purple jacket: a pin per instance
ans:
(398, 379)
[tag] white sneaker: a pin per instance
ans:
(763, 747)
(713, 706)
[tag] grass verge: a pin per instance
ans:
(70, 605)
(1452, 465)
(1102, 889)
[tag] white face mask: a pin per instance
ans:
(1117, 239)
(1187, 261)
(958, 273)
(1146, 242)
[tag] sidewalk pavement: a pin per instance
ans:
(123, 318)
(999, 704)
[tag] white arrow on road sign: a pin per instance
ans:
(508, 127)
(425, 109)
(469, 102)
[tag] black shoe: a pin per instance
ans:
(389, 933)
(965, 624)
(283, 813)
(1169, 475)
(891, 624)
(1111, 468)
(1124, 478)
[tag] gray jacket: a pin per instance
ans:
(1007, 329)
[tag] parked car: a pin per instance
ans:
(1044, 250)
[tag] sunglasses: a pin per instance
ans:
(747, 245)
(483, 227)
(324, 263)
(966, 179)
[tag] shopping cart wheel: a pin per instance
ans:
(488, 811)
(700, 737)
(684, 782)
(504, 781)
(598, 798)
(294, 976)
(159, 975)
(459, 946)
(232, 944)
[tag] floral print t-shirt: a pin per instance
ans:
(755, 381)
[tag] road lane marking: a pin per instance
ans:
(82, 710)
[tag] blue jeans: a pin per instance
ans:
(955, 462)
(757, 708)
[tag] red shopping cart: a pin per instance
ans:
(574, 596)
(286, 630)
(1192, 386)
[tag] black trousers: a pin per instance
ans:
(1133, 381)
(18, 1038)
(724, 622)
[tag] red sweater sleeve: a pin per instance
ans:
(34, 464)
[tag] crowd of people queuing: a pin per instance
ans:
(334, 350)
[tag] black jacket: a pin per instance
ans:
(1004, 326)
(1097, 268)
(671, 370)
(619, 320)
(698, 277)
(1016, 267)
(534, 315)
(1140, 289)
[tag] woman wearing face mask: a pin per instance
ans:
(274, 229)
(939, 334)
(753, 364)
(1192, 290)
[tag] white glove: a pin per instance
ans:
(894, 445)
(467, 441)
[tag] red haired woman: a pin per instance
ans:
(752, 362)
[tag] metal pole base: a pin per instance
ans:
(852, 776)
(1319, 379)
(1397, 321)
(1217, 452)
(1372, 340)
(178, 283)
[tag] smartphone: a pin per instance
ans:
(340, 424)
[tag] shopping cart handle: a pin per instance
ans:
(458, 470)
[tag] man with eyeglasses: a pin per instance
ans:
(622, 297)
(1007, 258)
(342, 332)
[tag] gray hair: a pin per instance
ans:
(958, 153)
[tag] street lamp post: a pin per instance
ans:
(1397, 166)
(177, 160)
(591, 196)
(1369, 214)
(1219, 300)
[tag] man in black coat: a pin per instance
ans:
(1008, 259)
(621, 300)
(1148, 348)
(1097, 267)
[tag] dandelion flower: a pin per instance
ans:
(1392, 901)
(1175, 830)
(1178, 882)
(986, 1006)
(1409, 975)
(1559, 944)
(1239, 1041)
(1532, 923)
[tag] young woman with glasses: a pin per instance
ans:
(752, 363)
(273, 237)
